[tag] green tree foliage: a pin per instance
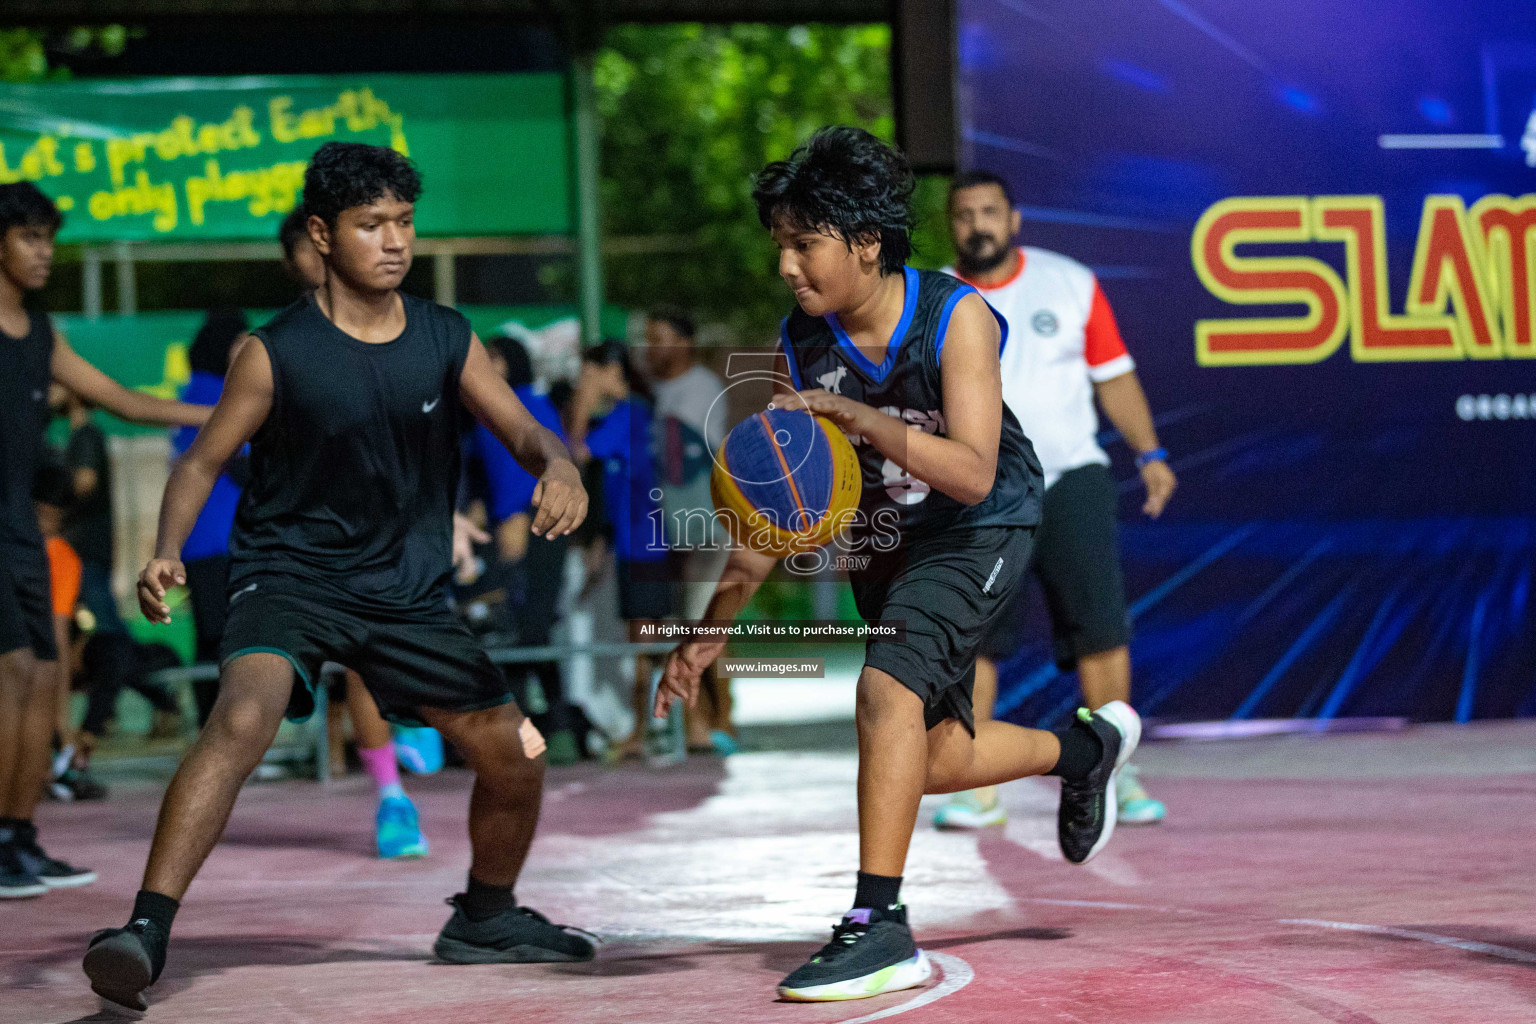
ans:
(690, 113)
(32, 55)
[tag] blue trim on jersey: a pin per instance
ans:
(908, 308)
(949, 307)
(789, 353)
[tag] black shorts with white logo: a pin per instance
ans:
(409, 657)
(1077, 560)
(946, 589)
(26, 602)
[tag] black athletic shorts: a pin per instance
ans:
(26, 602)
(946, 589)
(645, 590)
(1077, 560)
(409, 658)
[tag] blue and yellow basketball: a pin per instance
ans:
(785, 481)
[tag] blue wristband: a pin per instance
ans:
(1155, 455)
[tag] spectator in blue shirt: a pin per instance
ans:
(612, 402)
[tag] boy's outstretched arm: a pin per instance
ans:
(71, 370)
(744, 572)
(559, 497)
(242, 409)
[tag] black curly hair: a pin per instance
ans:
(845, 182)
(342, 175)
(23, 204)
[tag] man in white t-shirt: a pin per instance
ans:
(1063, 352)
(691, 423)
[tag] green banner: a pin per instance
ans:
(174, 159)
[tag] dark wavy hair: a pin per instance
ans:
(515, 354)
(342, 175)
(610, 351)
(294, 227)
(842, 181)
(980, 176)
(23, 204)
(222, 327)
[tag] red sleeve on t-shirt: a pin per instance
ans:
(1101, 335)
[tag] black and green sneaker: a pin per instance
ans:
(1086, 818)
(869, 954)
(517, 935)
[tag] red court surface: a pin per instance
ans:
(1349, 879)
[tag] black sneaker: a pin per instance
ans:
(54, 873)
(122, 962)
(1086, 818)
(16, 882)
(515, 936)
(864, 958)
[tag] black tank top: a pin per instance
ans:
(354, 472)
(27, 371)
(908, 385)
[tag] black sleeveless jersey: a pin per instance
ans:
(28, 370)
(908, 385)
(354, 472)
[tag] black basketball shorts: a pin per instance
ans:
(26, 602)
(1077, 560)
(946, 589)
(409, 657)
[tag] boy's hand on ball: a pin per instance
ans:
(560, 499)
(845, 412)
(680, 678)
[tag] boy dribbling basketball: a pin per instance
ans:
(907, 363)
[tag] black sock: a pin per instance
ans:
(1081, 750)
(481, 902)
(878, 893)
(159, 910)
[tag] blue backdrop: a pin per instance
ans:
(1355, 531)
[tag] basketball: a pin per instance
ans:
(785, 481)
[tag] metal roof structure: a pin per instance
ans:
(556, 11)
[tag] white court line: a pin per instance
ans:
(957, 975)
(1469, 945)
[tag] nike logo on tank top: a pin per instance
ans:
(908, 385)
(355, 471)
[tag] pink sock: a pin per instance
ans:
(379, 762)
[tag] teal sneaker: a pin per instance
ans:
(1136, 806)
(419, 750)
(398, 836)
(972, 809)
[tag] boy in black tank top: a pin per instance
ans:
(351, 400)
(33, 354)
(906, 363)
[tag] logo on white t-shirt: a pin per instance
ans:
(1045, 323)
